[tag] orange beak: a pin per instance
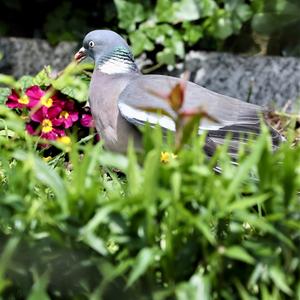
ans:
(80, 55)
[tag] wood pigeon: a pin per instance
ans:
(119, 93)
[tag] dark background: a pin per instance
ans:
(55, 20)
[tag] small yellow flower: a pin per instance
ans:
(64, 140)
(46, 101)
(165, 157)
(46, 159)
(23, 100)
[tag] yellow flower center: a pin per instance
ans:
(46, 101)
(64, 140)
(46, 126)
(64, 114)
(23, 100)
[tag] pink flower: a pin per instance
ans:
(87, 120)
(46, 130)
(67, 116)
(22, 101)
(49, 113)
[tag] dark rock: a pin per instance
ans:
(257, 79)
(28, 56)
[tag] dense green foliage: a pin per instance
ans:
(89, 224)
(73, 228)
(168, 27)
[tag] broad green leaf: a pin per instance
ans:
(130, 14)
(24, 82)
(244, 12)
(207, 7)
(164, 10)
(185, 10)
(222, 28)
(76, 87)
(43, 77)
(167, 56)
(140, 42)
(192, 33)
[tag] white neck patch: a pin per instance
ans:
(116, 65)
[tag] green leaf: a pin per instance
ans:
(47, 176)
(7, 80)
(198, 287)
(24, 82)
(192, 33)
(239, 253)
(207, 7)
(185, 10)
(140, 42)
(143, 261)
(244, 12)
(4, 93)
(268, 23)
(76, 87)
(244, 203)
(164, 10)
(5, 259)
(279, 278)
(167, 56)
(39, 288)
(130, 14)
(43, 77)
(133, 172)
(222, 28)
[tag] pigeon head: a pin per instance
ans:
(109, 51)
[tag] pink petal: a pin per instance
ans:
(53, 112)
(52, 135)
(13, 96)
(13, 104)
(32, 102)
(30, 129)
(74, 116)
(38, 116)
(68, 122)
(57, 121)
(69, 105)
(87, 120)
(35, 92)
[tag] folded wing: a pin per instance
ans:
(235, 117)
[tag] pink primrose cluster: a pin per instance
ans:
(49, 117)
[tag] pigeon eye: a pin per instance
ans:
(91, 44)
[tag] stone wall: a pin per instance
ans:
(258, 79)
(28, 56)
